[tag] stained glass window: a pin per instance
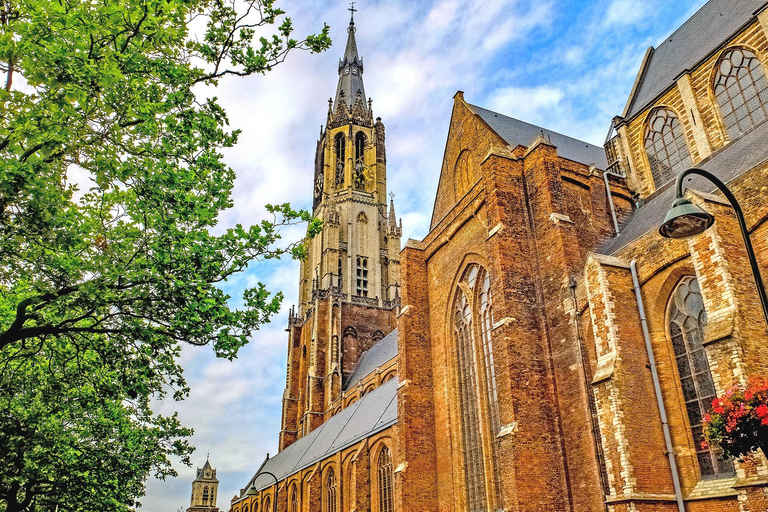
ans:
(665, 146)
(741, 90)
(386, 500)
(687, 322)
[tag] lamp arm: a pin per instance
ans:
(742, 226)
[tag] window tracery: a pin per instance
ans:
(294, 499)
(687, 322)
(362, 277)
(741, 90)
(665, 146)
(330, 492)
(473, 320)
(386, 501)
(340, 145)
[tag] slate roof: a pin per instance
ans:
(373, 413)
(516, 132)
(379, 354)
(716, 22)
(351, 82)
(727, 164)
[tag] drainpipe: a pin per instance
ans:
(657, 389)
(610, 198)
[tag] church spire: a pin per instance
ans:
(350, 70)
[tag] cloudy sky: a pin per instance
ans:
(567, 65)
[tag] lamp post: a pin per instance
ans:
(684, 219)
(252, 491)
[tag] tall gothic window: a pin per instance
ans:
(362, 276)
(665, 146)
(294, 499)
(359, 146)
(255, 506)
(340, 146)
(330, 492)
(205, 495)
(267, 504)
(386, 500)
(472, 322)
(687, 321)
(741, 90)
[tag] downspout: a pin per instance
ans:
(610, 198)
(657, 389)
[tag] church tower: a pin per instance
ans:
(204, 490)
(348, 291)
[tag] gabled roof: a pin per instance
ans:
(729, 163)
(703, 33)
(378, 355)
(520, 133)
(373, 413)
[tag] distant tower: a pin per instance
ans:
(204, 489)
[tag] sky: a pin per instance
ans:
(565, 65)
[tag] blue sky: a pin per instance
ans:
(565, 65)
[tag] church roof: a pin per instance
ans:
(373, 413)
(350, 72)
(727, 164)
(520, 133)
(379, 354)
(703, 33)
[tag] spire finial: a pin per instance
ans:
(392, 196)
(353, 11)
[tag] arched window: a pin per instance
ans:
(340, 147)
(294, 499)
(741, 91)
(245, 508)
(267, 505)
(665, 146)
(377, 336)
(687, 321)
(255, 506)
(386, 500)
(330, 492)
(473, 320)
(359, 146)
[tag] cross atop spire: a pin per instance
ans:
(353, 11)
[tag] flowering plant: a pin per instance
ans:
(738, 423)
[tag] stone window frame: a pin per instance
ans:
(473, 410)
(361, 276)
(726, 126)
(385, 480)
(266, 503)
(660, 176)
(330, 489)
(339, 152)
(294, 497)
(684, 363)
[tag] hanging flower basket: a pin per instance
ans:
(738, 423)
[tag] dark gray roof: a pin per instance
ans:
(729, 163)
(704, 32)
(373, 413)
(350, 72)
(377, 356)
(520, 133)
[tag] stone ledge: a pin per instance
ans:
(604, 369)
(719, 327)
(640, 496)
(716, 488)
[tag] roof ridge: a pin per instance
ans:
(534, 125)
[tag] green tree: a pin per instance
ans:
(111, 178)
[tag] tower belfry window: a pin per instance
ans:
(362, 276)
(359, 147)
(340, 147)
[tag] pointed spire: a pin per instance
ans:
(350, 69)
(392, 216)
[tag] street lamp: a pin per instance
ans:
(684, 219)
(252, 491)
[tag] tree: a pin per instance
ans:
(111, 178)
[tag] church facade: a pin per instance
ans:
(506, 361)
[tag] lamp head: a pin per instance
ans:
(684, 220)
(252, 491)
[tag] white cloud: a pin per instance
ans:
(626, 12)
(535, 105)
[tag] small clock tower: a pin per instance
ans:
(204, 490)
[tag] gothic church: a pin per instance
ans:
(506, 361)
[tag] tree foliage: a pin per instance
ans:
(111, 180)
